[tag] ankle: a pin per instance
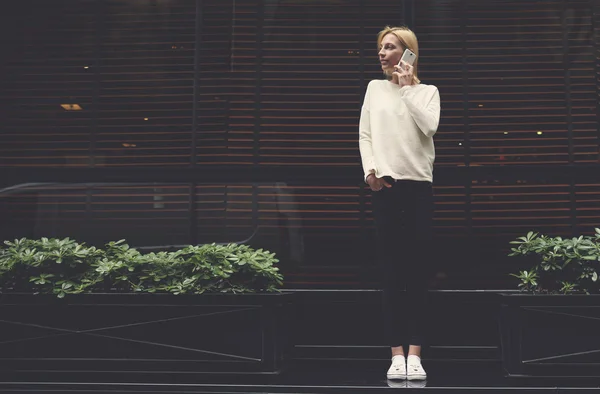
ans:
(414, 350)
(398, 351)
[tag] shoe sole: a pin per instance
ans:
(416, 377)
(396, 377)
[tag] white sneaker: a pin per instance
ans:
(398, 368)
(414, 369)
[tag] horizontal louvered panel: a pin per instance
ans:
(280, 85)
(146, 84)
(592, 144)
(224, 213)
(500, 209)
(516, 91)
(309, 87)
(145, 215)
(44, 212)
(47, 70)
(438, 29)
(47, 204)
(587, 206)
(374, 17)
(450, 211)
(310, 227)
(134, 202)
(290, 220)
(584, 91)
(323, 210)
(227, 79)
(315, 226)
(215, 142)
(140, 57)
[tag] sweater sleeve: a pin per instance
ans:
(424, 107)
(364, 137)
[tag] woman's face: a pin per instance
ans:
(390, 52)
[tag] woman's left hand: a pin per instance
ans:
(403, 74)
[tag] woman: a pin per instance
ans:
(399, 118)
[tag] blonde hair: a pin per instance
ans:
(407, 39)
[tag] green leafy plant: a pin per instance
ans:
(67, 267)
(557, 265)
(58, 266)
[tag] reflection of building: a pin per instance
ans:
(290, 222)
(157, 216)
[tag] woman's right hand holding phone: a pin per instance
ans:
(403, 74)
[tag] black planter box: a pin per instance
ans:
(143, 333)
(550, 335)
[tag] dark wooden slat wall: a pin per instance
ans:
(146, 72)
(273, 89)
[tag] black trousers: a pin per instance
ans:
(403, 218)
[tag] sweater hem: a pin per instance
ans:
(410, 178)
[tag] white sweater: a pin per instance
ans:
(396, 130)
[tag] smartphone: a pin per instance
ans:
(408, 56)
